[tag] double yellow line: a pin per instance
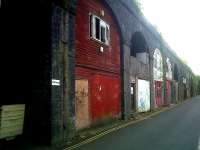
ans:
(117, 128)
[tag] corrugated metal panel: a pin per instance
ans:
(105, 97)
(87, 49)
(104, 93)
(102, 70)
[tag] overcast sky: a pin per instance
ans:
(179, 23)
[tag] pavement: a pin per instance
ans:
(175, 129)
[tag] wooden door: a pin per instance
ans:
(82, 104)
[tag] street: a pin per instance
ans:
(175, 129)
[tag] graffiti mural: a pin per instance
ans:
(143, 103)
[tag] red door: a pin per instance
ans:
(105, 97)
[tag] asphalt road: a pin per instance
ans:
(176, 129)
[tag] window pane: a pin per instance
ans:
(103, 34)
(97, 25)
(91, 25)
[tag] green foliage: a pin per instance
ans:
(138, 3)
(138, 6)
(184, 61)
(196, 85)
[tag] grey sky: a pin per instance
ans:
(179, 23)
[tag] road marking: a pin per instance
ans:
(123, 126)
(199, 144)
(114, 129)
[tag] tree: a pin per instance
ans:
(195, 85)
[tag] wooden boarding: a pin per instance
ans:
(82, 104)
(11, 120)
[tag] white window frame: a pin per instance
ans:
(102, 24)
